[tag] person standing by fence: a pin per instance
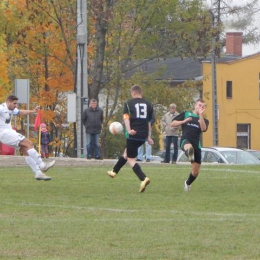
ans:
(92, 119)
(171, 134)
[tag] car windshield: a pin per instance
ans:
(239, 157)
(255, 153)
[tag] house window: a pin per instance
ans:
(243, 136)
(229, 89)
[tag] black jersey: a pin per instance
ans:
(140, 111)
(191, 131)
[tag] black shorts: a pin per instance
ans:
(197, 150)
(132, 147)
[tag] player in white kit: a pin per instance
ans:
(11, 138)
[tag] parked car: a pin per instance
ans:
(161, 154)
(256, 153)
(223, 155)
(153, 158)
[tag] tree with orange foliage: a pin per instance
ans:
(41, 45)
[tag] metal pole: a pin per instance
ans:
(28, 107)
(82, 90)
(214, 98)
(214, 88)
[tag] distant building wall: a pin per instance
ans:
(244, 105)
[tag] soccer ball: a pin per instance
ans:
(116, 128)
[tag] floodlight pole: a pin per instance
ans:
(215, 14)
(214, 96)
(81, 86)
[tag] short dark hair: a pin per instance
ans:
(137, 89)
(12, 98)
(93, 100)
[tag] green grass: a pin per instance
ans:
(84, 214)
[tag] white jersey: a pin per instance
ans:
(9, 136)
(6, 116)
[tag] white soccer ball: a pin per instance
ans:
(116, 128)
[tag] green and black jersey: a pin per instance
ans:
(140, 111)
(191, 131)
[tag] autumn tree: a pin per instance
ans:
(40, 44)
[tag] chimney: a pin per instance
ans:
(234, 43)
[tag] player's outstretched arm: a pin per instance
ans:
(27, 112)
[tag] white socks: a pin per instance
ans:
(36, 157)
(35, 168)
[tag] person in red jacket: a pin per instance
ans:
(45, 140)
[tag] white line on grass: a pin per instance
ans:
(227, 170)
(173, 212)
(166, 219)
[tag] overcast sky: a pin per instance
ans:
(247, 49)
(251, 49)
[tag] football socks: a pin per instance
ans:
(138, 171)
(120, 163)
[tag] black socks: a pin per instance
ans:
(120, 163)
(138, 171)
(191, 179)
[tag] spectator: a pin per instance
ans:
(171, 134)
(92, 119)
(45, 140)
(148, 148)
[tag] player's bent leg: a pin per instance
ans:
(120, 163)
(189, 151)
(38, 160)
(142, 177)
(38, 174)
(191, 154)
(192, 177)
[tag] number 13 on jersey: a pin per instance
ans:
(141, 110)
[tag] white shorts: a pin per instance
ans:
(11, 138)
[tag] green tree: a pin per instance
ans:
(133, 30)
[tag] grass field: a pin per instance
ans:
(84, 214)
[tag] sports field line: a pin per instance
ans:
(173, 212)
(227, 170)
(218, 168)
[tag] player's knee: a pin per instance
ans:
(27, 144)
(195, 173)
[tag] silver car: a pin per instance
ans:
(256, 153)
(223, 155)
